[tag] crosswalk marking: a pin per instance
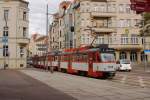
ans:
(141, 81)
(123, 80)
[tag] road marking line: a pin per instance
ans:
(124, 79)
(141, 81)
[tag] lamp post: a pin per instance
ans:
(47, 31)
(5, 38)
(144, 40)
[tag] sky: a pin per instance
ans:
(37, 14)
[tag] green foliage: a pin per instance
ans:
(146, 21)
(147, 18)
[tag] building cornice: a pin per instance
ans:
(23, 1)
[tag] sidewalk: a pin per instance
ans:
(15, 85)
(142, 68)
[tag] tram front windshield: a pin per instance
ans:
(107, 57)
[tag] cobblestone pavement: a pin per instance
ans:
(133, 79)
(15, 85)
(84, 88)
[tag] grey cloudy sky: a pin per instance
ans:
(38, 14)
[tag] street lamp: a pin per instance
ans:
(144, 40)
(5, 38)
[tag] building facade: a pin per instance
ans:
(38, 45)
(109, 22)
(54, 33)
(14, 28)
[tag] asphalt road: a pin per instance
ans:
(15, 85)
(125, 86)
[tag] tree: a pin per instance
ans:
(147, 18)
(147, 22)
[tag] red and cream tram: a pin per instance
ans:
(93, 62)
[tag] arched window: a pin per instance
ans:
(133, 56)
(123, 55)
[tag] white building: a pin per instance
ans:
(14, 26)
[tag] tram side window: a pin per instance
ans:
(77, 58)
(74, 58)
(65, 58)
(85, 58)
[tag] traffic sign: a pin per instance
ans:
(147, 52)
(5, 39)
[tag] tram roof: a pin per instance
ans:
(102, 50)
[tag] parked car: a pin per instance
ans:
(124, 65)
(29, 62)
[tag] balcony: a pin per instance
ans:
(23, 41)
(104, 30)
(103, 14)
(103, 27)
(126, 43)
(121, 43)
(104, 11)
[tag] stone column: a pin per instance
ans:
(139, 57)
(128, 55)
(117, 55)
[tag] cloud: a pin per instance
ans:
(37, 14)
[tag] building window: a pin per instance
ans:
(113, 9)
(24, 31)
(134, 39)
(24, 15)
(60, 22)
(144, 57)
(60, 33)
(60, 45)
(5, 51)
(21, 51)
(124, 40)
(121, 8)
(21, 65)
(6, 14)
(123, 55)
(53, 39)
(121, 23)
(128, 23)
(133, 56)
(100, 40)
(128, 10)
(5, 31)
(96, 9)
